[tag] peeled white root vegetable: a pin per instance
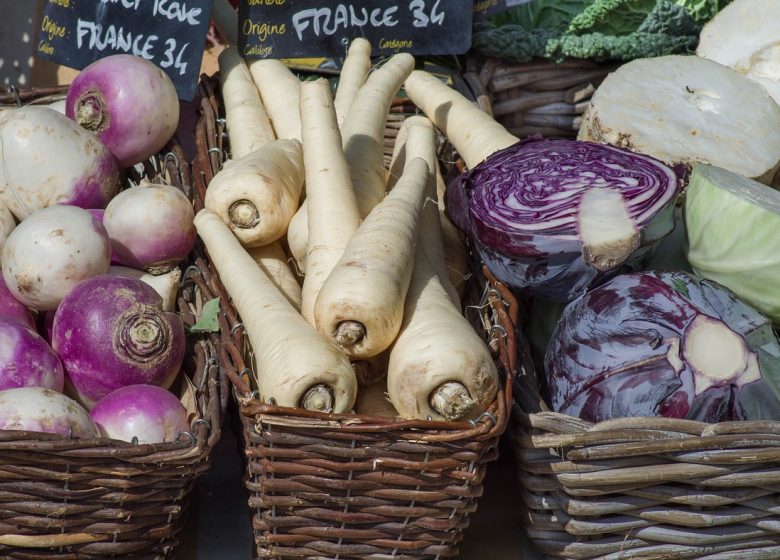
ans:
(746, 37)
(687, 109)
(280, 92)
(272, 260)
(258, 194)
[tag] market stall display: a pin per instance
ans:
(97, 485)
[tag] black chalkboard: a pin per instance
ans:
(322, 28)
(170, 33)
(483, 9)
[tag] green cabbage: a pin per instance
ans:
(733, 226)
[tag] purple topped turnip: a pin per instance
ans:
(663, 344)
(35, 409)
(151, 227)
(48, 159)
(128, 102)
(26, 359)
(146, 412)
(12, 308)
(50, 252)
(111, 332)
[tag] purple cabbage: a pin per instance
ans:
(663, 344)
(554, 217)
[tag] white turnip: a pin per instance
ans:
(151, 227)
(35, 409)
(47, 159)
(50, 252)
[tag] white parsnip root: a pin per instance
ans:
(258, 194)
(273, 261)
(226, 19)
(333, 213)
(298, 236)
(364, 128)
(472, 132)
(248, 126)
(280, 91)
(294, 365)
(360, 306)
(439, 367)
(353, 75)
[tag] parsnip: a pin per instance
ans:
(439, 366)
(294, 364)
(280, 91)
(248, 126)
(258, 194)
(360, 306)
(272, 259)
(298, 236)
(373, 401)
(167, 285)
(472, 132)
(332, 209)
(364, 127)
(226, 19)
(353, 75)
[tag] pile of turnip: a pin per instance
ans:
(90, 342)
(346, 275)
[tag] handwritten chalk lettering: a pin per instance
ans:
(328, 22)
(266, 2)
(61, 3)
(421, 18)
(263, 30)
(129, 4)
(170, 47)
(101, 38)
(46, 47)
(52, 28)
(176, 11)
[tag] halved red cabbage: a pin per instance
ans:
(663, 344)
(552, 216)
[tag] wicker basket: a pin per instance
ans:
(354, 486)
(69, 499)
(644, 488)
(539, 97)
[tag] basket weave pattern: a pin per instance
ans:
(355, 486)
(645, 488)
(68, 499)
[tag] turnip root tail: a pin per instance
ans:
(364, 126)
(360, 305)
(331, 205)
(474, 133)
(280, 91)
(353, 76)
(258, 194)
(295, 366)
(248, 126)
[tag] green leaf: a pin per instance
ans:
(208, 318)
(678, 285)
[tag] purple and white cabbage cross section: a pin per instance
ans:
(554, 216)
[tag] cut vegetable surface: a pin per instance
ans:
(258, 194)
(294, 365)
(664, 344)
(733, 227)
(128, 102)
(687, 109)
(745, 36)
(360, 306)
(553, 216)
(46, 159)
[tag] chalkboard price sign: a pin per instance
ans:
(170, 33)
(317, 28)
